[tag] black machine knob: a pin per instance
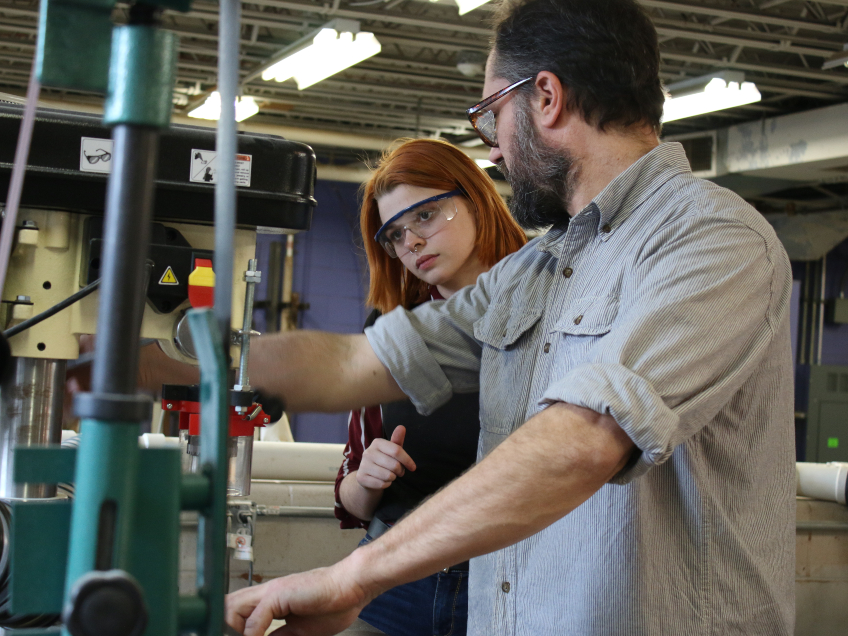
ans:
(108, 603)
(274, 407)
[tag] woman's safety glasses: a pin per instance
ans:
(423, 219)
(483, 119)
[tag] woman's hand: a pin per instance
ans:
(384, 461)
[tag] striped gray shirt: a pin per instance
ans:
(666, 304)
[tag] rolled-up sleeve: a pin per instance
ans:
(698, 318)
(430, 351)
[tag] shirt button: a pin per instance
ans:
(547, 347)
(567, 272)
(505, 586)
(606, 229)
(578, 320)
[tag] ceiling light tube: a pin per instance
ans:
(708, 94)
(211, 108)
(837, 59)
(336, 46)
(469, 5)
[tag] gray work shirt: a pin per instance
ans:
(664, 303)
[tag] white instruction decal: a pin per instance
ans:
(204, 167)
(95, 155)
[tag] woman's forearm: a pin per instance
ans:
(359, 501)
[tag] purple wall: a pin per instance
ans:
(835, 338)
(330, 274)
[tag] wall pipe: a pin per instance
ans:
(822, 481)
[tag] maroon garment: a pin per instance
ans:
(363, 427)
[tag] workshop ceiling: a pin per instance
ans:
(414, 88)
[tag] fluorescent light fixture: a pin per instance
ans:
(469, 5)
(484, 163)
(336, 46)
(708, 94)
(837, 59)
(211, 108)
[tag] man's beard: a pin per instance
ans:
(541, 177)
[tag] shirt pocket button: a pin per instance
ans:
(578, 320)
(505, 587)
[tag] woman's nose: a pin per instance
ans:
(412, 241)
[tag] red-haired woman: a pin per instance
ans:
(432, 222)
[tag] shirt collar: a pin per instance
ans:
(628, 191)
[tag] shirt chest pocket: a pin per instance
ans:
(583, 323)
(508, 334)
(502, 327)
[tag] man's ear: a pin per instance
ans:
(550, 99)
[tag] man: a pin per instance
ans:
(636, 450)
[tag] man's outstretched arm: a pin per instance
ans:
(544, 470)
(318, 371)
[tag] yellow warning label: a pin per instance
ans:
(168, 278)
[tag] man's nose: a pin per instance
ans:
(495, 155)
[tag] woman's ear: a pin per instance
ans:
(549, 100)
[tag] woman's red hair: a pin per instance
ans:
(430, 163)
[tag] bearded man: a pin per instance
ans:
(636, 460)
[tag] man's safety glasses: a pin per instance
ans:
(423, 219)
(483, 119)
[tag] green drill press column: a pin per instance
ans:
(141, 77)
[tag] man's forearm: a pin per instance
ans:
(317, 371)
(543, 471)
(359, 501)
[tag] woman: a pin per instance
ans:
(432, 222)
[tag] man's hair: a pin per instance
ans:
(430, 163)
(605, 52)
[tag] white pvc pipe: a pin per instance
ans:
(822, 481)
(287, 461)
(282, 461)
(296, 461)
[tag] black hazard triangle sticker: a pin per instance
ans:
(168, 278)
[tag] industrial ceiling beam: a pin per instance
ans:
(374, 16)
(837, 78)
(779, 47)
(736, 14)
(788, 36)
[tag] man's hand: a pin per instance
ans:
(316, 603)
(384, 461)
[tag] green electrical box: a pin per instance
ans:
(827, 414)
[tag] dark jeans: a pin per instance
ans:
(434, 606)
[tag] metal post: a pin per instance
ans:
(275, 287)
(805, 309)
(247, 325)
(107, 464)
(229, 27)
(30, 415)
(126, 242)
(820, 302)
